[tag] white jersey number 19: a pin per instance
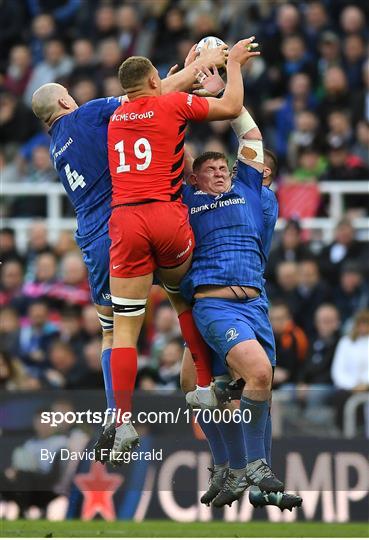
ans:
(142, 150)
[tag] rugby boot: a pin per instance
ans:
(218, 475)
(284, 501)
(202, 398)
(234, 486)
(104, 444)
(126, 438)
(258, 473)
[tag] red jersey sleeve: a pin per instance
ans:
(189, 106)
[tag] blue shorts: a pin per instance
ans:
(225, 323)
(96, 258)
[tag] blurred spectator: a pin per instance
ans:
(128, 29)
(85, 65)
(311, 292)
(360, 107)
(13, 376)
(315, 388)
(343, 248)
(85, 90)
(41, 169)
(172, 32)
(304, 135)
(64, 244)
(317, 366)
(170, 364)
(339, 129)
(57, 64)
(43, 28)
(291, 345)
(38, 243)
(30, 480)
(74, 288)
(315, 23)
(311, 165)
(11, 284)
(352, 20)
(147, 379)
(36, 337)
(93, 378)
(289, 248)
(350, 368)
(336, 92)
(299, 98)
(45, 276)
(166, 328)
(360, 148)
(352, 293)
(105, 23)
(70, 329)
(17, 122)
(286, 284)
(90, 322)
(8, 248)
(19, 70)
(330, 52)
(11, 24)
(110, 58)
(287, 23)
(9, 330)
(64, 370)
(354, 57)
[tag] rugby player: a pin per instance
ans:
(78, 150)
(149, 226)
(222, 437)
(227, 218)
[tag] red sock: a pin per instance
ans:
(199, 349)
(123, 365)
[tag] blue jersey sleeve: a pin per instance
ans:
(99, 111)
(249, 176)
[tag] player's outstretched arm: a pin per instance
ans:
(184, 79)
(230, 104)
(250, 140)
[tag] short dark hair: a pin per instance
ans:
(205, 157)
(133, 70)
(273, 161)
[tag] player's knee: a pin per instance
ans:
(106, 322)
(128, 307)
(261, 376)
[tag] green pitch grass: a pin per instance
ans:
(162, 529)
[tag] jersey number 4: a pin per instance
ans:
(142, 150)
(74, 178)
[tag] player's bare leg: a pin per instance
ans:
(249, 359)
(129, 297)
(106, 438)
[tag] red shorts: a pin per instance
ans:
(147, 236)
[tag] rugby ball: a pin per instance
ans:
(211, 41)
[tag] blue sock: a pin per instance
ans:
(268, 440)
(215, 440)
(232, 434)
(105, 363)
(255, 429)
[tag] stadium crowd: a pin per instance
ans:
(309, 92)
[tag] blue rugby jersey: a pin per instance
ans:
(228, 232)
(269, 204)
(79, 152)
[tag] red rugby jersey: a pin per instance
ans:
(146, 146)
